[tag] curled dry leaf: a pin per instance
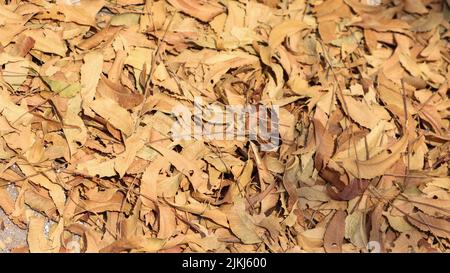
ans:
(281, 31)
(378, 164)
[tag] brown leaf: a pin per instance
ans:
(437, 226)
(204, 11)
(350, 191)
(378, 164)
(334, 235)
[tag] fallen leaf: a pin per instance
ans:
(334, 235)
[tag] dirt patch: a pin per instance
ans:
(11, 236)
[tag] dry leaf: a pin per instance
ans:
(354, 94)
(334, 235)
(202, 11)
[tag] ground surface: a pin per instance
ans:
(11, 236)
(113, 116)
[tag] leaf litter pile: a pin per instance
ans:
(87, 93)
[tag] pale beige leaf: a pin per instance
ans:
(241, 224)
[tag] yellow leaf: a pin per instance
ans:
(63, 88)
(125, 19)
